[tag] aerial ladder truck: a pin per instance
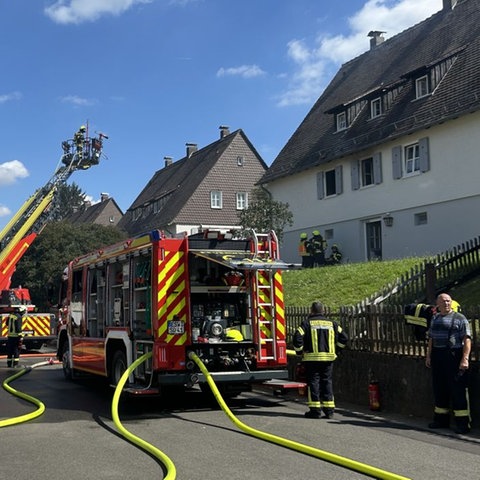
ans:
(79, 153)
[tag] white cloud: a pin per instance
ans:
(7, 97)
(11, 171)
(245, 71)
(316, 64)
(78, 11)
(4, 211)
(77, 101)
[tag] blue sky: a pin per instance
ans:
(157, 74)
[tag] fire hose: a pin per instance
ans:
(170, 467)
(284, 442)
(40, 406)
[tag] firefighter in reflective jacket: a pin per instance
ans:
(318, 338)
(14, 338)
(304, 251)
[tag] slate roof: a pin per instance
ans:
(179, 180)
(392, 66)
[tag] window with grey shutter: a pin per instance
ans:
(377, 168)
(338, 180)
(397, 162)
(354, 170)
(320, 191)
(424, 156)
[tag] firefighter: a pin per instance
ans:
(335, 255)
(14, 340)
(318, 246)
(304, 251)
(79, 140)
(448, 355)
(317, 339)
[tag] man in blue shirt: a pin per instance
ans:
(448, 351)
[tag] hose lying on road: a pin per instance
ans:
(171, 470)
(41, 407)
(284, 442)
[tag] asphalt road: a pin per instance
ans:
(76, 438)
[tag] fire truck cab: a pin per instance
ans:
(209, 293)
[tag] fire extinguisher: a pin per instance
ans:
(374, 395)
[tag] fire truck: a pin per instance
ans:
(17, 236)
(208, 293)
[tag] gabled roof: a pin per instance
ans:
(95, 213)
(448, 36)
(177, 182)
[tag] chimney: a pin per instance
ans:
(191, 149)
(224, 131)
(104, 196)
(168, 161)
(449, 4)
(376, 38)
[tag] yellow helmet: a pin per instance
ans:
(233, 334)
(303, 235)
(83, 128)
(455, 306)
(315, 233)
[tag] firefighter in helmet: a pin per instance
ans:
(304, 251)
(318, 247)
(79, 141)
(14, 335)
(335, 255)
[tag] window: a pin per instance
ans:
(412, 159)
(240, 161)
(137, 213)
(330, 182)
(421, 87)
(420, 218)
(216, 199)
(376, 108)
(341, 121)
(367, 172)
(328, 234)
(242, 200)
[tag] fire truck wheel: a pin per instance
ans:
(118, 367)
(67, 370)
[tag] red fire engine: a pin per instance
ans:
(17, 236)
(209, 293)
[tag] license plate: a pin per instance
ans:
(176, 327)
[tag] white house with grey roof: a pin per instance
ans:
(387, 162)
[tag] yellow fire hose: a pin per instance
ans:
(171, 470)
(41, 407)
(284, 442)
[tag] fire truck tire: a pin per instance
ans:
(68, 372)
(118, 366)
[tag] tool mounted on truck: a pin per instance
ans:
(19, 233)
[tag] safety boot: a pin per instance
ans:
(462, 425)
(440, 420)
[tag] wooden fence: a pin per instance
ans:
(381, 328)
(451, 267)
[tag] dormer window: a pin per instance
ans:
(341, 121)
(376, 108)
(421, 87)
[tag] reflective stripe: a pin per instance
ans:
(441, 411)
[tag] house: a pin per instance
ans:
(205, 189)
(106, 213)
(387, 159)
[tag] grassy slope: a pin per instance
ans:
(350, 283)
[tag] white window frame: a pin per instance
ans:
(242, 200)
(376, 108)
(341, 121)
(216, 200)
(365, 174)
(421, 87)
(412, 159)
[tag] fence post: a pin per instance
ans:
(430, 278)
